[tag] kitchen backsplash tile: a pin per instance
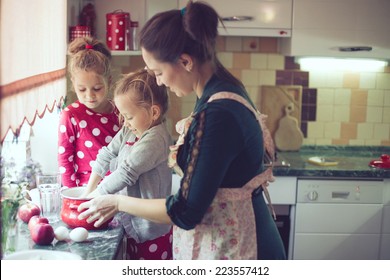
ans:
(338, 108)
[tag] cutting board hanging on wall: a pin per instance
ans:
(273, 100)
(288, 136)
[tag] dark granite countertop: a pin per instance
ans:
(353, 162)
(101, 244)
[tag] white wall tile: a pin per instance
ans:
(365, 131)
(325, 113)
(342, 96)
(375, 97)
(341, 113)
(367, 80)
(381, 131)
(325, 96)
(315, 130)
(383, 81)
(332, 130)
(374, 114)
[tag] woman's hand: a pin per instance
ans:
(99, 209)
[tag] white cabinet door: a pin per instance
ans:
(321, 27)
(337, 231)
(253, 17)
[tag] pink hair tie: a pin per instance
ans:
(88, 46)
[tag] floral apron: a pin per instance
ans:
(228, 229)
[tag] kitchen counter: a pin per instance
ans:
(352, 162)
(105, 244)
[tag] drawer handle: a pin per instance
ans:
(238, 18)
(340, 195)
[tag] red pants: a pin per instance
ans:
(156, 249)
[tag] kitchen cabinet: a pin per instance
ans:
(253, 17)
(140, 10)
(321, 27)
(385, 234)
(338, 219)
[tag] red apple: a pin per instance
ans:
(37, 220)
(26, 211)
(42, 234)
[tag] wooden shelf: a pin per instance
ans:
(122, 53)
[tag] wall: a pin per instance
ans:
(338, 108)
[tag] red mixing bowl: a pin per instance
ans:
(70, 202)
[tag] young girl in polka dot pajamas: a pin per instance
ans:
(92, 121)
(137, 158)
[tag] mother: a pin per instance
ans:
(219, 211)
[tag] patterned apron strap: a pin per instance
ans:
(267, 176)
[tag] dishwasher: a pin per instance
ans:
(338, 219)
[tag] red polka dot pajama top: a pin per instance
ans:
(81, 134)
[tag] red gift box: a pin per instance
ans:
(118, 30)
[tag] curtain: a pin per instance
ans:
(33, 60)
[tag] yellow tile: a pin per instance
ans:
(236, 73)
(342, 96)
(267, 77)
(374, 114)
(365, 131)
(359, 98)
(233, 44)
(375, 97)
(226, 58)
(357, 114)
(250, 44)
(241, 60)
(250, 77)
(385, 143)
(333, 79)
(382, 131)
(383, 81)
(258, 61)
(341, 142)
(351, 80)
(348, 130)
(275, 62)
(341, 113)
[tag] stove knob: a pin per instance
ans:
(312, 195)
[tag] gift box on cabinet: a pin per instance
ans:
(118, 30)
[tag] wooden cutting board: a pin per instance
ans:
(273, 100)
(288, 136)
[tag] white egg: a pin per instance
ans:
(78, 234)
(61, 233)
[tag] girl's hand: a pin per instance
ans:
(99, 209)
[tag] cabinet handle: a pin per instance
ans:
(238, 18)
